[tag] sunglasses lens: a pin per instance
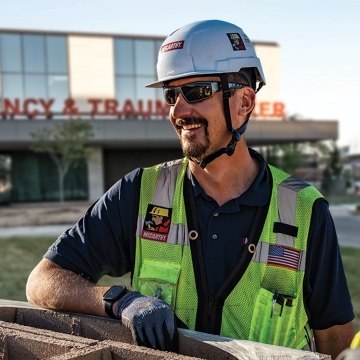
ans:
(170, 95)
(193, 93)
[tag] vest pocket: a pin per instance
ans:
(159, 279)
(272, 321)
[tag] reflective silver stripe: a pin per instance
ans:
(165, 189)
(163, 196)
(287, 192)
(286, 213)
(302, 260)
(262, 253)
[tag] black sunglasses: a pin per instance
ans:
(195, 91)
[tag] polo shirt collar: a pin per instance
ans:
(256, 195)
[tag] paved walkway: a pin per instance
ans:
(45, 230)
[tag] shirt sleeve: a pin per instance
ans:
(326, 293)
(102, 241)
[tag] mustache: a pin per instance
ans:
(191, 120)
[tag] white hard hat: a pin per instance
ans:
(204, 48)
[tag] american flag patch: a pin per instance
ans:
(284, 257)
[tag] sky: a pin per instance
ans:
(318, 39)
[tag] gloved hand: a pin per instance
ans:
(150, 320)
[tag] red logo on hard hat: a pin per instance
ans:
(157, 223)
(176, 45)
(236, 41)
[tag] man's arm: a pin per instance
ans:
(150, 320)
(53, 287)
(334, 339)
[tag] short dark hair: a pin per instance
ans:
(244, 76)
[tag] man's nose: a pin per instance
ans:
(181, 108)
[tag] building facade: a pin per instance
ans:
(47, 78)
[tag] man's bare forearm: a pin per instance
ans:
(53, 287)
(335, 339)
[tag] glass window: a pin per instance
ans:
(145, 57)
(34, 53)
(125, 88)
(124, 57)
(56, 54)
(10, 53)
(143, 93)
(12, 85)
(35, 86)
(137, 60)
(34, 66)
(158, 44)
(58, 90)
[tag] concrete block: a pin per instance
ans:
(94, 353)
(28, 332)
(21, 342)
(126, 351)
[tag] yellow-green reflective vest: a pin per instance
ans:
(266, 305)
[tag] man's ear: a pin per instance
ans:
(247, 101)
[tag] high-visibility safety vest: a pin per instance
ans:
(262, 300)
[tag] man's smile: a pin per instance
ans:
(189, 123)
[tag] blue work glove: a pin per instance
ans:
(150, 320)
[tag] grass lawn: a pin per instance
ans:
(18, 256)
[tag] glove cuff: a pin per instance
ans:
(124, 302)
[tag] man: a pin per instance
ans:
(250, 253)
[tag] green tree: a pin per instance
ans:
(66, 144)
(292, 155)
(333, 180)
(285, 156)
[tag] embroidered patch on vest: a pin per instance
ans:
(157, 223)
(284, 256)
(236, 41)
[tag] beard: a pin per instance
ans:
(192, 145)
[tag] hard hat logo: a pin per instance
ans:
(159, 211)
(176, 45)
(236, 41)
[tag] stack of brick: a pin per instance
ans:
(28, 332)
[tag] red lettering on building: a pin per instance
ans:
(102, 108)
(269, 110)
(128, 108)
(27, 108)
(110, 107)
(47, 104)
(70, 108)
(162, 108)
(144, 113)
(94, 103)
(279, 110)
(11, 107)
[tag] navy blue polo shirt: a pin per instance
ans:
(225, 229)
(102, 242)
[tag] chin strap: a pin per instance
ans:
(236, 134)
(230, 148)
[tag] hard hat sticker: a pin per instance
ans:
(157, 223)
(176, 45)
(236, 41)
